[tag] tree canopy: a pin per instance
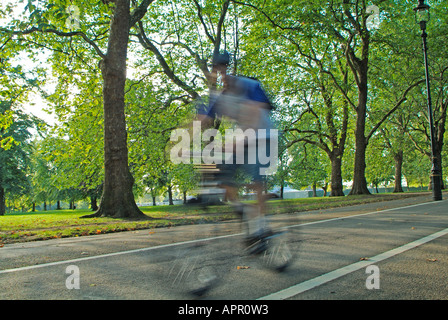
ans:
(346, 78)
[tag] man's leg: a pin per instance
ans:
(256, 214)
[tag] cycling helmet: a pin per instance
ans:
(221, 58)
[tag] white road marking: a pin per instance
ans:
(111, 254)
(327, 277)
(365, 214)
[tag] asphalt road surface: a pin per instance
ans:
(394, 250)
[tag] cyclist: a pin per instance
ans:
(245, 102)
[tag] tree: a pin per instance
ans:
(117, 199)
(182, 37)
(415, 170)
(316, 124)
(403, 39)
(340, 83)
(323, 34)
(15, 125)
(308, 168)
(380, 161)
(283, 175)
(41, 176)
(356, 38)
(310, 78)
(14, 159)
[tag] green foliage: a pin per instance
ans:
(14, 156)
(298, 49)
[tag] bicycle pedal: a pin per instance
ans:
(257, 247)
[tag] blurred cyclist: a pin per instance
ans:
(245, 102)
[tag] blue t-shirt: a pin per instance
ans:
(245, 88)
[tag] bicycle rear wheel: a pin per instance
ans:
(279, 252)
(278, 246)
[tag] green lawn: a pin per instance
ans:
(44, 225)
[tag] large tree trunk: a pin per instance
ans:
(337, 188)
(282, 189)
(93, 203)
(359, 67)
(439, 161)
(440, 133)
(398, 157)
(170, 195)
(118, 199)
(2, 201)
(359, 178)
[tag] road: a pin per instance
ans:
(404, 240)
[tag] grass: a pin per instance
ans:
(43, 225)
(20, 227)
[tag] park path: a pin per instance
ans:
(406, 239)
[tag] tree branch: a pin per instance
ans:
(265, 15)
(397, 105)
(219, 27)
(202, 63)
(199, 9)
(147, 44)
(59, 33)
(139, 12)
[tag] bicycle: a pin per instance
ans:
(195, 269)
